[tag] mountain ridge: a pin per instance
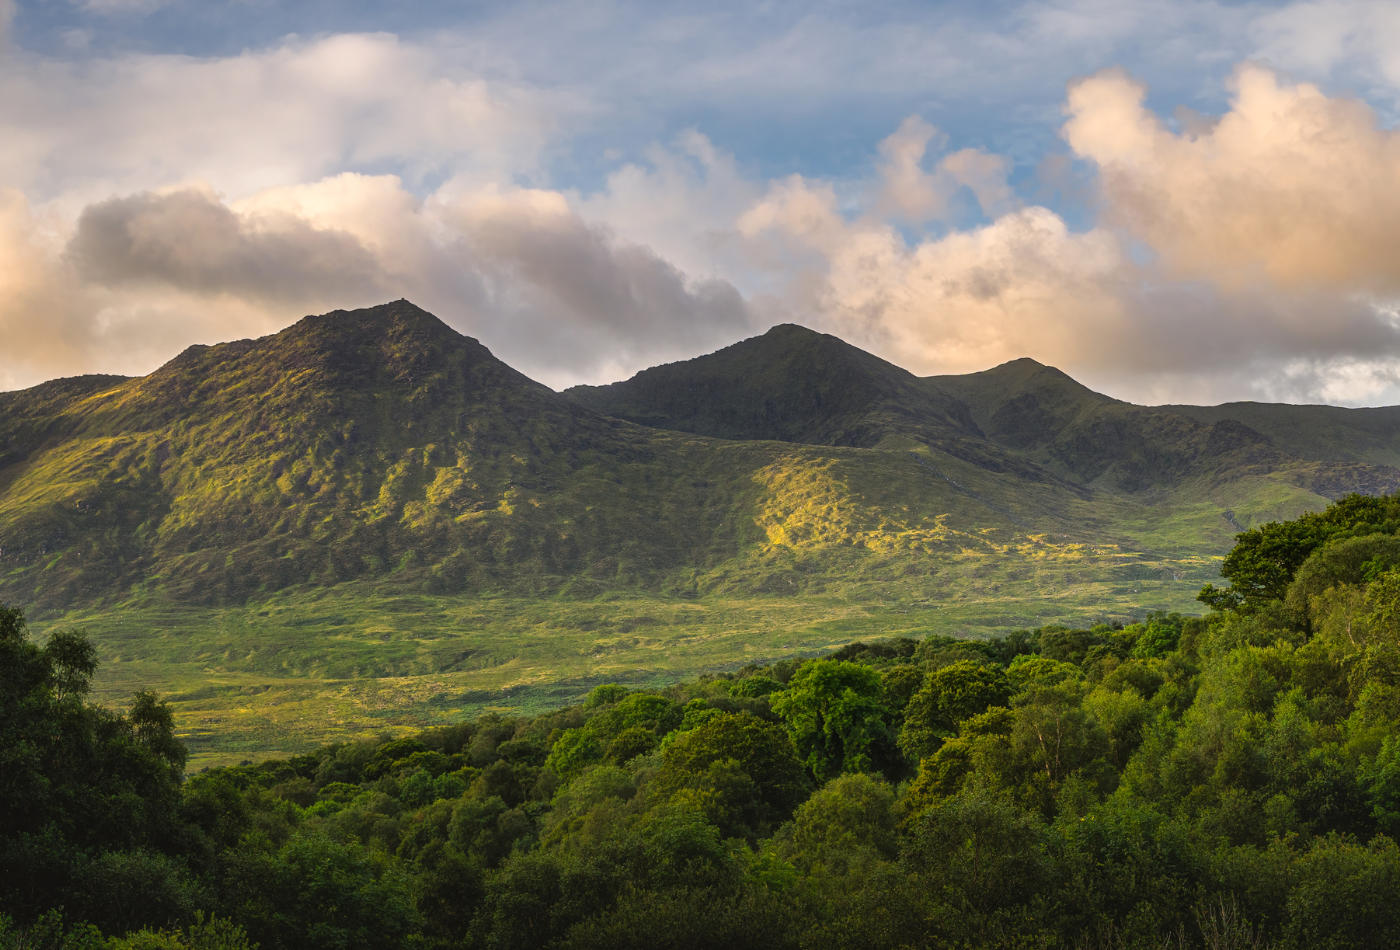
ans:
(1021, 415)
(370, 512)
(381, 443)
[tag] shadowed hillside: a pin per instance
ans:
(1023, 417)
(368, 519)
(382, 444)
(792, 385)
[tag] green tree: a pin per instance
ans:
(1263, 562)
(317, 894)
(845, 828)
(88, 799)
(737, 769)
(1343, 895)
(987, 857)
(836, 716)
(948, 696)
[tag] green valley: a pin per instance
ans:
(1227, 781)
(368, 521)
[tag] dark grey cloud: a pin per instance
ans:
(567, 287)
(560, 299)
(189, 240)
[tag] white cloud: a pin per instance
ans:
(82, 131)
(910, 192)
(162, 199)
(1023, 284)
(1358, 39)
(681, 201)
(1290, 188)
(1247, 257)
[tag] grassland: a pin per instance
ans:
(309, 667)
(367, 522)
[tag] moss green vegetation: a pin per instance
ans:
(368, 521)
(1226, 781)
(297, 670)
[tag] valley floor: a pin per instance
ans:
(301, 670)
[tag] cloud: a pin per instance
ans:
(557, 297)
(56, 323)
(122, 7)
(83, 130)
(168, 199)
(1355, 39)
(1223, 256)
(681, 200)
(910, 192)
(190, 240)
(42, 316)
(1288, 189)
(573, 289)
(1021, 284)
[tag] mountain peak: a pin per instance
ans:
(338, 362)
(336, 338)
(792, 331)
(1017, 378)
(1025, 368)
(1021, 363)
(396, 319)
(791, 384)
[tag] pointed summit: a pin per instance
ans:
(1021, 401)
(396, 320)
(791, 384)
(337, 365)
(395, 337)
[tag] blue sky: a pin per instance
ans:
(1172, 201)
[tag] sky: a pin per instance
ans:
(1179, 201)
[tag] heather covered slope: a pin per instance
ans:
(368, 520)
(1021, 417)
(381, 445)
(351, 445)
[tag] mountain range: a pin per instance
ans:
(382, 444)
(259, 493)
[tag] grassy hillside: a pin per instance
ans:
(791, 385)
(1343, 435)
(368, 519)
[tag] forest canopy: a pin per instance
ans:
(1232, 780)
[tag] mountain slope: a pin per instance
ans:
(1324, 432)
(382, 444)
(348, 445)
(1021, 417)
(367, 518)
(1091, 439)
(791, 384)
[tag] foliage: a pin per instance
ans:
(836, 716)
(365, 518)
(88, 798)
(1233, 781)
